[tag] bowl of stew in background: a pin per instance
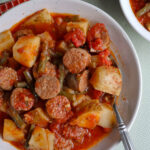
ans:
(121, 46)
(137, 12)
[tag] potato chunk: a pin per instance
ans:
(42, 16)
(41, 139)
(26, 49)
(37, 117)
(83, 25)
(107, 116)
(46, 37)
(107, 79)
(89, 114)
(11, 132)
(6, 41)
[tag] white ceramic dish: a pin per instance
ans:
(127, 10)
(124, 51)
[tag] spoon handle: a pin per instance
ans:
(123, 131)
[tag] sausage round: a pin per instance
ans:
(49, 70)
(83, 81)
(22, 99)
(8, 77)
(76, 60)
(58, 107)
(47, 87)
(61, 143)
(75, 133)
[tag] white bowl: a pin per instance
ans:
(129, 14)
(124, 51)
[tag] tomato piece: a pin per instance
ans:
(104, 59)
(96, 94)
(76, 37)
(98, 38)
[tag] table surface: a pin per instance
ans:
(140, 131)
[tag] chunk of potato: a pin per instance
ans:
(11, 132)
(83, 25)
(6, 40)
(107, 116)
(89, 114)
(42, 16)
(46, 37)
(107, 79)
(79, 99)
(41, 139)
(37, 117)
(25, 50)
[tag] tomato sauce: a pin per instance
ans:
(136, 5)
(57, 31)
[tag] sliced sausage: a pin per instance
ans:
(61, 143)
(22, 99)
(83, 81)
(8, 77)
(78, 82)
(50, 70)
(98, 38)
(76, 60)
(75, 133)
(58, 107)
(47, 87)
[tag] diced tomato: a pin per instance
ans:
(96, 94)
(76, 37)
(104, 59)
(97, 37)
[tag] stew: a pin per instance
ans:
(141, 9)
(58, 79)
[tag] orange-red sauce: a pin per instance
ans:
(96, 134)
(136, 5)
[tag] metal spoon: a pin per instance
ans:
(123, 129)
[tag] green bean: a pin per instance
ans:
(144, 10)
(16, 117)
(29, 136)
(29, 80)
(72, 18)
(4, 58)
(21, 85)
(62, 73)
(45, 56)
(28, 76)
(70, 96)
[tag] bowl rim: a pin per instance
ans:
(125, 36)
(132, 19)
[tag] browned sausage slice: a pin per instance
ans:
(61, 143)
(47, 87)
(22, 99)
(75, 133)
(58, 107)
(83, 81)
(50, 70)
(76, 60)
(8, 77)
